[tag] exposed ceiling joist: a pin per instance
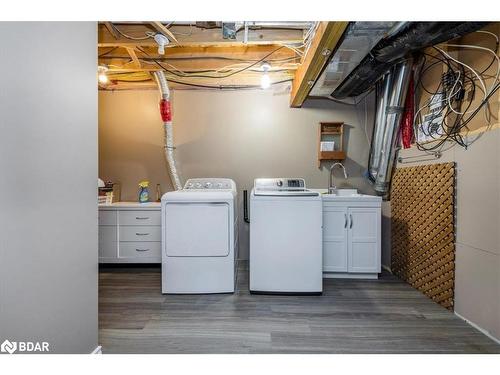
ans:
(133, 56)
(192, 36)
(110, 29)
(201, 57)
(326, 38)
(163, 30)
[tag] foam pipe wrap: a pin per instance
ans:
(167, 124)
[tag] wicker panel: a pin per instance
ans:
(423, 235)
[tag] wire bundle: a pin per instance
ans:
(458, 87)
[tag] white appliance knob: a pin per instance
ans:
(198, 185)
(208, 185)
(219, 185)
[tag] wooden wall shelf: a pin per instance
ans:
(331, 131)
(331, 155)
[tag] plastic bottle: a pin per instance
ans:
(144, 192)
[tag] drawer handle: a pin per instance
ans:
(142, 234)
(141, 249)
(142, 217)
(350, 226)
(345, 220)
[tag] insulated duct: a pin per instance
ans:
(166, 115)
(404, 39)
(390, 107)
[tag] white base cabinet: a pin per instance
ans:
(351, 237)
(130, 232)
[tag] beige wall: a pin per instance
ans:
(477, 276)
(237, 134)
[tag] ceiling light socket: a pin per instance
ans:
(102, 68)
(265, 67)
(162, 41)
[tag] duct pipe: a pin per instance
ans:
(388, 120)
(383, 91)
(406, 38)
(166, 115)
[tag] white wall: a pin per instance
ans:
(48, 164)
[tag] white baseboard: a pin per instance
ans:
(483, 331)
(97, 350)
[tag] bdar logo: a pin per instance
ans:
(8, 347)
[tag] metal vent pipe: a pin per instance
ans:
(390, 108)
(166, 115)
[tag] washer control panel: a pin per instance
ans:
(281, 183)
(209, 184)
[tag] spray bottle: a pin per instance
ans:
(144, 191)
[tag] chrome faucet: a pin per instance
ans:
(332, 187)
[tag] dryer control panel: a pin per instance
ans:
(209, 184)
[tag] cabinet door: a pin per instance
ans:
(364, 240)
(334, 239)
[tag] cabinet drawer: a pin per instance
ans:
(108, 242)
(140, 250)
(107, 217)
(140, 217)
(140, 233)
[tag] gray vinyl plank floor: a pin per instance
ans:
(352, 316)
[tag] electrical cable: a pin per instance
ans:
(148, 35)
(227, 87)
(458, 82)
(210, 76)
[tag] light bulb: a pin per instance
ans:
(102, 76)
(265, 81)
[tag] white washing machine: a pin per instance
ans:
(286, 255)
(200, 237)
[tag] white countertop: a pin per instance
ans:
(347, 198)
(136, 205)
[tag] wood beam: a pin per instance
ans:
(189, 58)
(196, 37)
(111, 30)
(135, 59)
(163, 30)
(325, 40)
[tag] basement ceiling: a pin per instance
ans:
(357, 42)
(201, 54)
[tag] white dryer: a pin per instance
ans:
(200, 237)
(286, 253)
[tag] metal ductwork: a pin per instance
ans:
(391, 97)
(405, 39)
(166, 115)
(388, 66)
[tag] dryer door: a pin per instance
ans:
(197, 229)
